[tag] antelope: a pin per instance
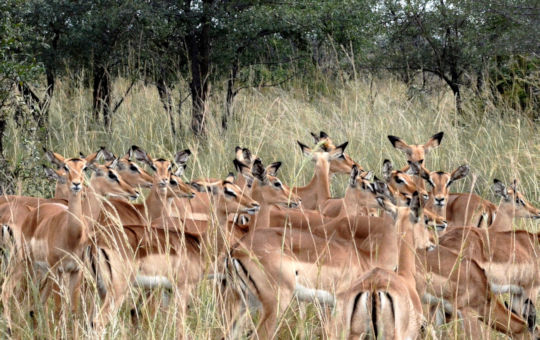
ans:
(383, 301)
(459, 286)
(56, 243)
(513, 204)
(440, 183)
(266, 189)
(163, 254)
(416, 153)
(270, 266)
(329, 159)
(470, 209)
(510, 259)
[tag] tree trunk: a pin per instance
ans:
(231, 93)
(166, 99)
(102, 95)
(457, 95)
(198, 43)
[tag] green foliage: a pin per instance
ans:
(16, 64)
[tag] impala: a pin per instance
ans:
(439, 201)
(55, 245)
(509, 258)
(329, 160)
(458, 286)
(383, 302)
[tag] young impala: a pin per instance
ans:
(382, 302)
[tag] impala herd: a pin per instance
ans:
(385, 261)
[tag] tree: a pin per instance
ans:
(16, 67)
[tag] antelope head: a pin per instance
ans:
(132, 173)
(266, 187)
(513, 199)
(227, 196)
(401, 184)
(73, 167)
(340, 162)
(416, 152)
(441, 181)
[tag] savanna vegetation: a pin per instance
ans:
(210, 75)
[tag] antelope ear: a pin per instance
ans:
(95, 156)
(244, 170)
(338, 151)
(142, 156)
(514, 185)
(54, 158)
(238, 153)
(316, 138)
(230, 177)
(353, 180)
(53, 175)
(399, 144)
(182, 157)
(459, 173)
(323, 134)
(107, 155)
(368, 176)
(114, 164)
(500, 189)
(387, 169)
(258, 171)
(180, 170)
(273, 168)
(246, 154)
(305, 150)
(434, 141)
(416, 209)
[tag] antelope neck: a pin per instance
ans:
(157, 203)
(406, 265)
(504, 217)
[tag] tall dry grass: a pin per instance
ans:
(494, 141)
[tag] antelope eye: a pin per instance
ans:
(421, 161)
(113, 177)
(66, 168)
(399, 180)
(277, 184)
(173, 182)
(133, 168)
(229, 192)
